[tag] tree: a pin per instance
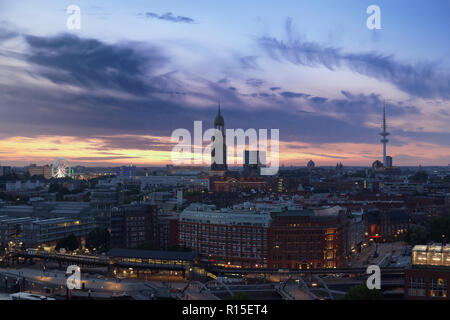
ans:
(361, 292)
(54, 187)
(240, 296)
(98, 238)
(439, 229)
(69, 243)
(417, 234)
(60, 195)
(59, 190)
(419, 176)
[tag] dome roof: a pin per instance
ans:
(377, 164)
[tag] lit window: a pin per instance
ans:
(438, 288)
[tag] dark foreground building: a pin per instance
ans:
(134, 225)
(429, 276)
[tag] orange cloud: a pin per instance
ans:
(100, 151)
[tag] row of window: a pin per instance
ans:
(437, 288)
(305, 265)
(228, 229)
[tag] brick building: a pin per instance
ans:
(387, 225)
(304, 239)
(292, 239)
(225, 237)
(134, 225)
(429, 275)
(168, 231)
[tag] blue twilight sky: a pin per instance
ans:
(137, 70)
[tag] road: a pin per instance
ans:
(58, 279)
(294, 290)
(366, 256)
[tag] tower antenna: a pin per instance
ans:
(384, 134)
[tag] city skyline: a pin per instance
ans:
(112, 92)
(233, 158)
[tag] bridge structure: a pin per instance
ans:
(330, 294)
(266, 271)
(61, 258)
(197, 290)
(99, 260)
(105, 261)
(87, 261)
(214, 283)
(214, 289)
(302, 286)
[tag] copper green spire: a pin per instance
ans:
(218, 121)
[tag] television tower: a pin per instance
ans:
(384, 134)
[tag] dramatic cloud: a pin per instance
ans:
(94, 64)
(127, 98)
(145, 103)
(422, 80)
(168, 16)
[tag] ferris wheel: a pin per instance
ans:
(60, 168)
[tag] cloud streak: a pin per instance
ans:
(169, 16)
(421, 80)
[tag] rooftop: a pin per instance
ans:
(317, 213)
(434, 255)
(208, 214)
(149, 254)
(53, 220)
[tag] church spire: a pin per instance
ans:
(218, 121)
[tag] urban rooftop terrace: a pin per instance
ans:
(434, 255)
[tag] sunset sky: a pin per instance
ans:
(114, 91)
